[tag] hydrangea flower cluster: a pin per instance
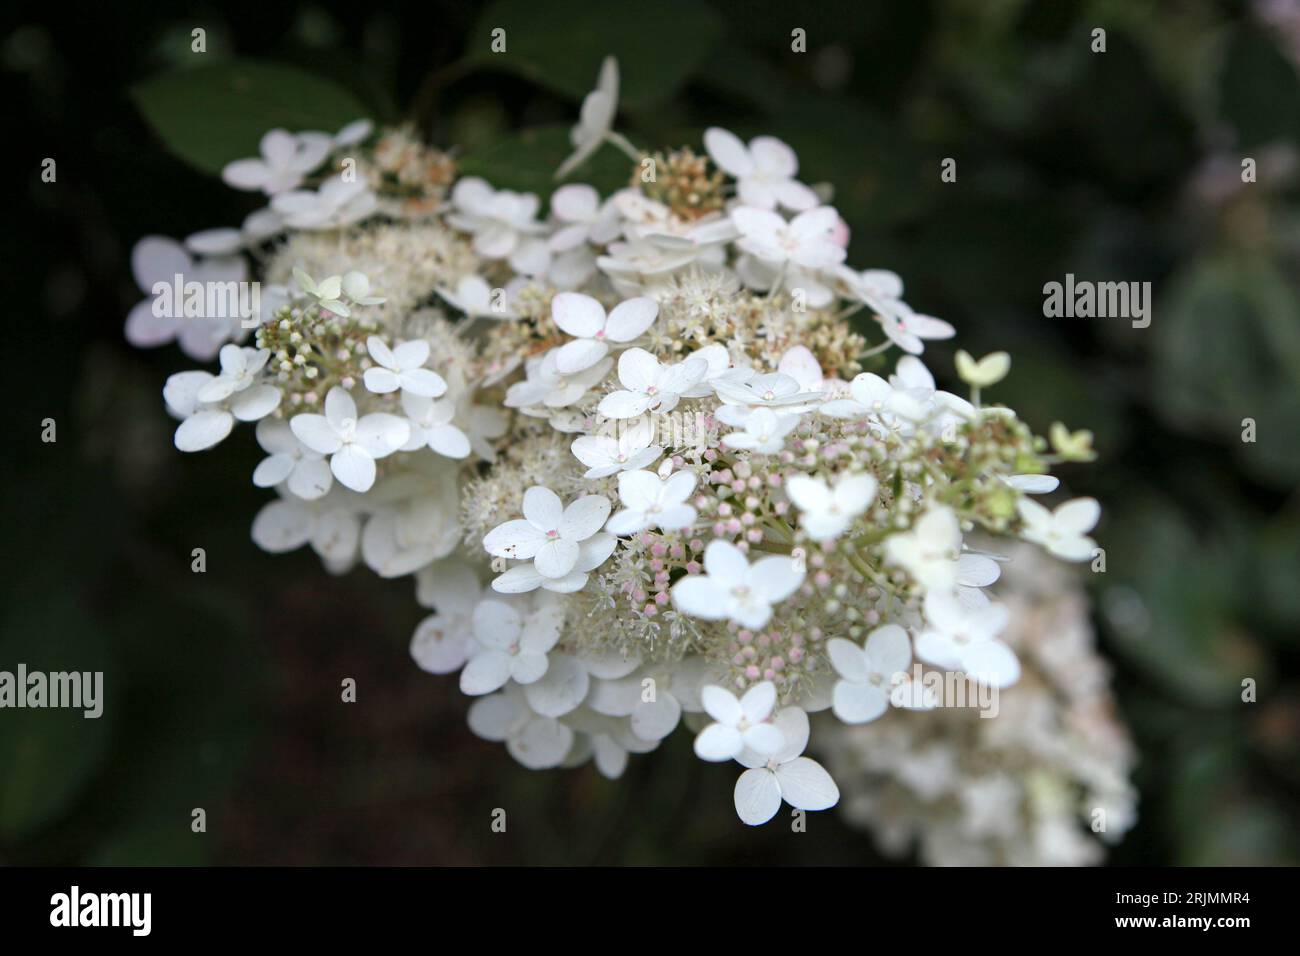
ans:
(642, 466)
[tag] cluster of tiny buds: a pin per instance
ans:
(313, 350)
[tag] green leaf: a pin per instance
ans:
(560, 45)
(1259, 90)
(214, 114)
(526, 161)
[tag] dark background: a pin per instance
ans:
(223, 688)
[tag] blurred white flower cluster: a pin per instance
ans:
(628, 447)
(1046, 783)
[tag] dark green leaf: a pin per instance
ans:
(215, 114)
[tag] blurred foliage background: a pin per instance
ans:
(223, 688)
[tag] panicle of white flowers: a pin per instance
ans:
(640, 463)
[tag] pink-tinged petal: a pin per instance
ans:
(631, 319)
(543, 508)
(485, 672)
(316, 433)
(806, 785)
(514, 539)
(757, 796)
(718, 742)
(579, 315)
(353, 468)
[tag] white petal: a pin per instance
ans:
(556, 558)
(722, 705)
(543, 742)
(718, 742)
(543, 508)
(758, 796)
(584, 517)
(203, 429)
(316, 433)
(492, 717)
(562, 689)
(858, 703)
(514, 539)
(655, 721)
(806, 785)
(579, 315)
(353, 468)
(631, 319)
(991, 663)
(486, 671)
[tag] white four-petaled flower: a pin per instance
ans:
(652, 502)
(825, 512)
(402, 367)
(739, 723)
(764, 171)
(564, 544)
(352, 444)
(584, 318)
(1063, 532)
(786, 775)
(732, 588)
